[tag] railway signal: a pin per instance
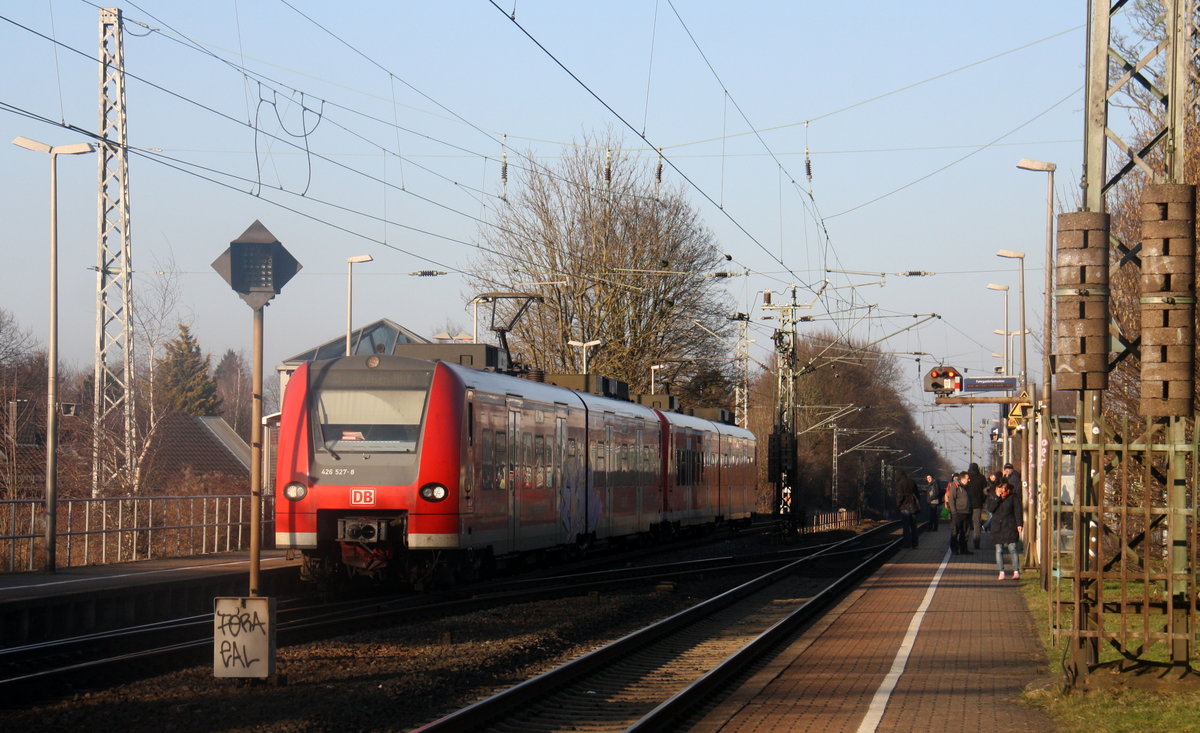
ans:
(257, 266)
(943, 380)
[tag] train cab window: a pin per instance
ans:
(370, 421)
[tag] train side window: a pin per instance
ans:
(488, 460)
(527, 464)
(539, 460)
(502, 460)
(557, 450)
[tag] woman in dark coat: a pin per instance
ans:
(1006, 527)
(976, 489)
(909, 505)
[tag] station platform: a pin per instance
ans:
(932, 641)
(38, 606)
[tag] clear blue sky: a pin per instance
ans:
(915, 115)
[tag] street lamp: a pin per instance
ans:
(52, 345)
(654, 368)
(994, 286)
(1048, 302)
(1010, 254)
(585, 346)
(350, 262)
(1043, 472)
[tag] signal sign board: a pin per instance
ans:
(989, 384)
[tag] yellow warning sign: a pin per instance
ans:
(1021, 409)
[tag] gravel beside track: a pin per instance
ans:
(381, 680)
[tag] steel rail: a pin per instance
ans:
(485, 712)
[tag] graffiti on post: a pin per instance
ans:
(244, 637)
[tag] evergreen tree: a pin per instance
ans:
(185, 382)
(232, 377)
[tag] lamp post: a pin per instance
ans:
(1030, 439)
(585, 346)
(994, 286)
(1043, 464)
(1007, 366)
(52, 341)
(350, 262)
(1047, 300)
(654, 368)
(1010, 254)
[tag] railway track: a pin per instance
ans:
(655, 677)
(54, 668)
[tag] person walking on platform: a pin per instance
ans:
(933, 499)
(1006, 528)
(959, 504)
(909, 505)
(976, 485)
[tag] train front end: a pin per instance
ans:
(369, 466)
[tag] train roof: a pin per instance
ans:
(507, 384)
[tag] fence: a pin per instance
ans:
(110, 530)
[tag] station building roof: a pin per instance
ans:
(380, 337)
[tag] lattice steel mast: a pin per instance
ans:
(114, 456)
(1122, 557)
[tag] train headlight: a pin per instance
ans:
(295, 491)
(434, 492)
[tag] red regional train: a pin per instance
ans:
(426, 470)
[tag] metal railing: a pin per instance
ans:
(110, 530)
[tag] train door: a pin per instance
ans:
(567, 481)
(513, 474)
(637, 479)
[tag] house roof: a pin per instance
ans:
(204, 446)
(380, 337)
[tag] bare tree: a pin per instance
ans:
(837, 374)
(617, 257)
(16, 343)
(233, 389)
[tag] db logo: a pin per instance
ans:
(362, 497)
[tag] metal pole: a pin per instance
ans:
(1047, 296)
(1024, 332)
(1007, 442)
(1045, 477)
(834, 481)
(349, 300)
(256, 444)
(971, 434)
(52, 380)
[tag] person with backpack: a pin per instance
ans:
(909, 505)
(958, 502)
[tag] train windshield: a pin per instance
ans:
(370, 421)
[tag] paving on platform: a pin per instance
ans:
(931, 642)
